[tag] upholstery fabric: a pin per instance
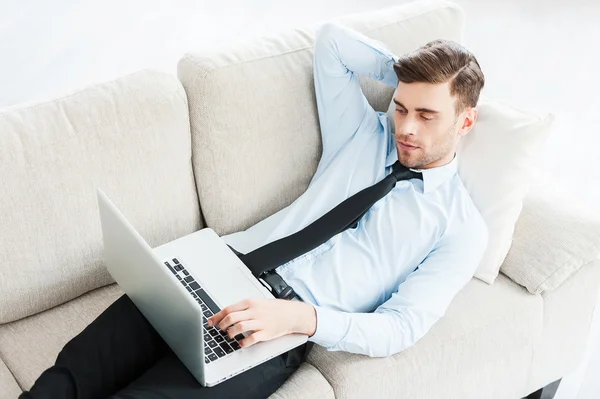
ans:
(306, 382)
(555, 236)
(9, 387)
(30, 345)
(131, 138)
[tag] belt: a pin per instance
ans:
(274, 282)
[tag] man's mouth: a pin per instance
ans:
(407, 146)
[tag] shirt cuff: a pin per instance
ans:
(330, 327)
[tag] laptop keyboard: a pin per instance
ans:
(217, 343)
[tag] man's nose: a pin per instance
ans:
(407, 127)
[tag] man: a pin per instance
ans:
(377, 287)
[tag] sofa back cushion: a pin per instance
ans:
(131, 138)
(253, 114)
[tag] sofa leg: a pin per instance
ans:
(546, 392)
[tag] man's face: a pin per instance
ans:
(425, 118)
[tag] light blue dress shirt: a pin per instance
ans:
(377, 288)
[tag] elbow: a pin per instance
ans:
(327, 30)
(405, 330)
(328, 34)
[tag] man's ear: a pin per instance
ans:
(469, 121)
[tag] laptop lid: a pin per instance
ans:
(173, 313)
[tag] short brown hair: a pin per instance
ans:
(440, 61)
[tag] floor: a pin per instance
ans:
(547, 50)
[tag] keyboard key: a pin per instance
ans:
(207, 350)
(178, 267)
(212, 357)
(209, 302)
(207, 337)
(235, 345)
(219, 338)
(225, 347)
(219, 352)
(206, 359)
(212, 344)
(194, 285)
(239, 337)
(186, 272)
(170, 268)
(207, 313)
(189, 279)
(178, 278)
(203, 306)
(188, 288)
(194, 295)
(213, 332)
(175, 261)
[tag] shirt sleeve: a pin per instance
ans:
(340, 55)
(417, 304)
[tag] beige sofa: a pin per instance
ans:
(180, 153)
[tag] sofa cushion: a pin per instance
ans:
(8, 385)
(555, 236)
(30, 345)
(253, 113)
(129, 137)
(306, 382)
(486, 336)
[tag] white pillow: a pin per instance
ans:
(497, 161)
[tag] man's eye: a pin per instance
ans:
(401, 111)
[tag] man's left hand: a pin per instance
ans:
(267, 318)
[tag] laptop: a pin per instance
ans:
(178, 285)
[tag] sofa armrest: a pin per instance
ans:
(555, 235)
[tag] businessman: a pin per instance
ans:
(375, 288)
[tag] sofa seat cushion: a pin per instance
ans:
(486, 336)
(30, 345)
(306, 382)
(8, 385)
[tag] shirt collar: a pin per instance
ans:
(432, 177)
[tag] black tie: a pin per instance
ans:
(346, 214)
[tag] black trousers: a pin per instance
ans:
(121, 356)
